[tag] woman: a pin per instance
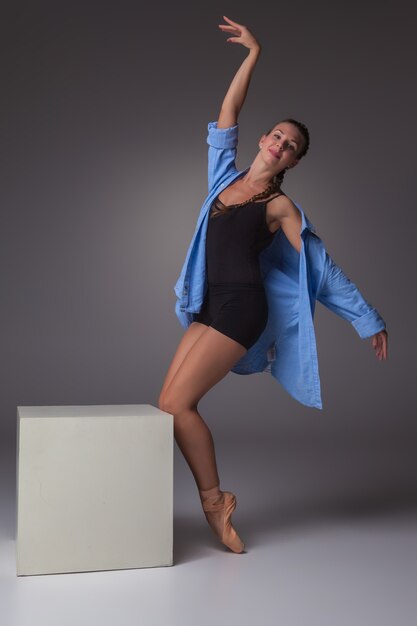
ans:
(236, 294)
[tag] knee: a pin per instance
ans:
(161, 403)
(172, 403)
(166, 402)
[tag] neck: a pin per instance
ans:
(259, 176)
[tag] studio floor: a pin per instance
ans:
(330, 528)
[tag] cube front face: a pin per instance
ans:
(94, 488)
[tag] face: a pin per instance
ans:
(282, 146)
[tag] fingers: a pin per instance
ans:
(384, 345)
(378, 347)
(235, 28)
(380, 344)
(232, 22)
(230, 29)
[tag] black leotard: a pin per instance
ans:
(233, 242)
(235, 303)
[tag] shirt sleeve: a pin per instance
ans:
(341, 296)
(221, 153)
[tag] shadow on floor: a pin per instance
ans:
(193, 538)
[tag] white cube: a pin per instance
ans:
(94, 488)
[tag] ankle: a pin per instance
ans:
(210, 493)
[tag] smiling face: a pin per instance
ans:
(282, 145)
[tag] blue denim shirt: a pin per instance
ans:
(293, 282)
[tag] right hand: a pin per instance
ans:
(380, 344)
(240, 33)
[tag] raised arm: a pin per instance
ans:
(223, 133)
(236, 94)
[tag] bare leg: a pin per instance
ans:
(194, 439)
(206, 362)
(188, 339)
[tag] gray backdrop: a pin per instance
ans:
(104, 169)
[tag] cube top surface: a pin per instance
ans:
(93, 410)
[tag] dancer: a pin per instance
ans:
(248, 286)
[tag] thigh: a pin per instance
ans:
(210, 358)
(188, 339)
(193, 332)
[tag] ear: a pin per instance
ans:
(261, 139)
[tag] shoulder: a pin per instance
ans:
(282, 206)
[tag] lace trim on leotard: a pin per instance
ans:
(219, 207)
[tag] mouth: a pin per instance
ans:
(275, 154)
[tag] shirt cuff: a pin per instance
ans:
(222, 137)
(368, 324)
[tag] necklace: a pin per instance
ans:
(270, 189)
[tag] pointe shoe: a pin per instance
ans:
(229, 537)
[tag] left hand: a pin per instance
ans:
(380, 344)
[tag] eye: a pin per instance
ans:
(289, 145)
(293, 148)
